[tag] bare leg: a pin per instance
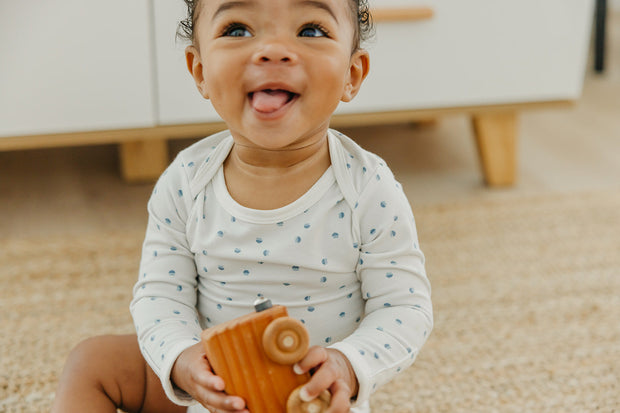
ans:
(108, 372)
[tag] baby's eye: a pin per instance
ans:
(313, 30)
(236, 30)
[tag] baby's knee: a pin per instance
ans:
(110, 363)
(84, 358)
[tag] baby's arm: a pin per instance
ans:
(398, 312)
(164, 303)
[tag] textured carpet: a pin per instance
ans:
(526, 296)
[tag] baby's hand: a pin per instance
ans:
(333, 372)
(192, 373)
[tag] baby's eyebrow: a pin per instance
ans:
(320, 5)
(232, 5)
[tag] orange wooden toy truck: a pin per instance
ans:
(255, 353)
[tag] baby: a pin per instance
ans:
(278, 206)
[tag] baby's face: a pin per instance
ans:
(275, 70)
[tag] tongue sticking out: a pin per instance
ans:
(267, 101)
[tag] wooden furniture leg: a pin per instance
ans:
(599, 35)
(143, 161)
(496, 138)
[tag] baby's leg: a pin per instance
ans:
(108, 372)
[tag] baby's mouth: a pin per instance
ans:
(270, 100)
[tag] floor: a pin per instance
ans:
(576, 149)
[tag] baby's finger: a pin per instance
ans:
(316, 356)
(220, 401)
(206, 378)
(341, 401)
(321, 380)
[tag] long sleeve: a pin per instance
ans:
(398, 311)
(164, 303)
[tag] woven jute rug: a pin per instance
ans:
(526, 297)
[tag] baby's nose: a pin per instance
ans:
(275, 52)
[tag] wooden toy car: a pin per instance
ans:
(255, 353)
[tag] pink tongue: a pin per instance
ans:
(267, 101)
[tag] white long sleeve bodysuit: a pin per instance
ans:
(344, 258)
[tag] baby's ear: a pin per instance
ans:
(194, 65)
(358, 70)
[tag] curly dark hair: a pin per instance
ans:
(364, 29)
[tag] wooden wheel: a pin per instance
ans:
(285, 340)
(319, 405)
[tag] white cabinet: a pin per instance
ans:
(74, 65)
(78, 72)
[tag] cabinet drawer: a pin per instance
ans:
(69, 65)
(477, 52)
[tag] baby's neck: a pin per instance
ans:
(270, 179)
(278, 161)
